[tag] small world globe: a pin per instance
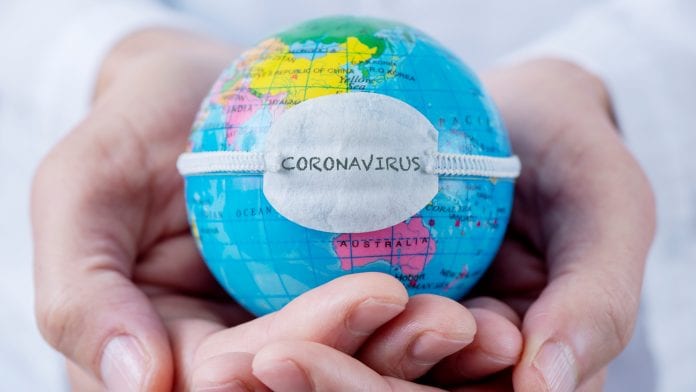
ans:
(262, 258)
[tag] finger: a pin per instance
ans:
(497, 346)
(341, 314)
(428, 330)
(582, 320)
(86, 305)
(178, 256)
(495, 306)
(189, 322)
(308, 366)
(174, 306)
(227, 372)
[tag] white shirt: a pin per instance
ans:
(645, 50)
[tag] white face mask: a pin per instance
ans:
(350, 163)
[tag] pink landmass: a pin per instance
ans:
(242, 105)
(407, 245)
(462, 275)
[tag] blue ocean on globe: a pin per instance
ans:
(265, 260)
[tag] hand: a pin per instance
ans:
(583, 219)
(121, 290)
(398, 344)
(316, 333)
(312, 343)
(110, 229)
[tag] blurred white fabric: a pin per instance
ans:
(644, 49)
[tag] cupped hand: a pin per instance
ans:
(110, 231)
(122, 292)
(583, 219)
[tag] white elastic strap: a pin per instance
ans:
(475, 165)
(438, 163)
(220, 161)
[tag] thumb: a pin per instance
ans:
(108, 328)
(572, 331)
(599, 236)
(585, 316)
(87, 307)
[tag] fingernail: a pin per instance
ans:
(282, 375)
(370, 315)
(556, 364)
(234, 386)
(123, 364)
(430, 347)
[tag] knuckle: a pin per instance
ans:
(398, 370)
(619, 314)
(57, 319)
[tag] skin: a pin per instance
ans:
(114, 257)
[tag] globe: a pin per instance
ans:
(263, 259)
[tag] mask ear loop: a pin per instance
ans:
(220, 161)
(474, 165)
(436, 163)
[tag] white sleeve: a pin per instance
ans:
(644, 50)
(52, 52)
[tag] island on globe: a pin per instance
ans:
(263, 256)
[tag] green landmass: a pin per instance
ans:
(336, 29)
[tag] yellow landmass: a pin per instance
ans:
(235, 80)
(300, 78)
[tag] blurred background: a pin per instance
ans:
(51, 53)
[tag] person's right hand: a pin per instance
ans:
(122, 292)
(572, 261)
